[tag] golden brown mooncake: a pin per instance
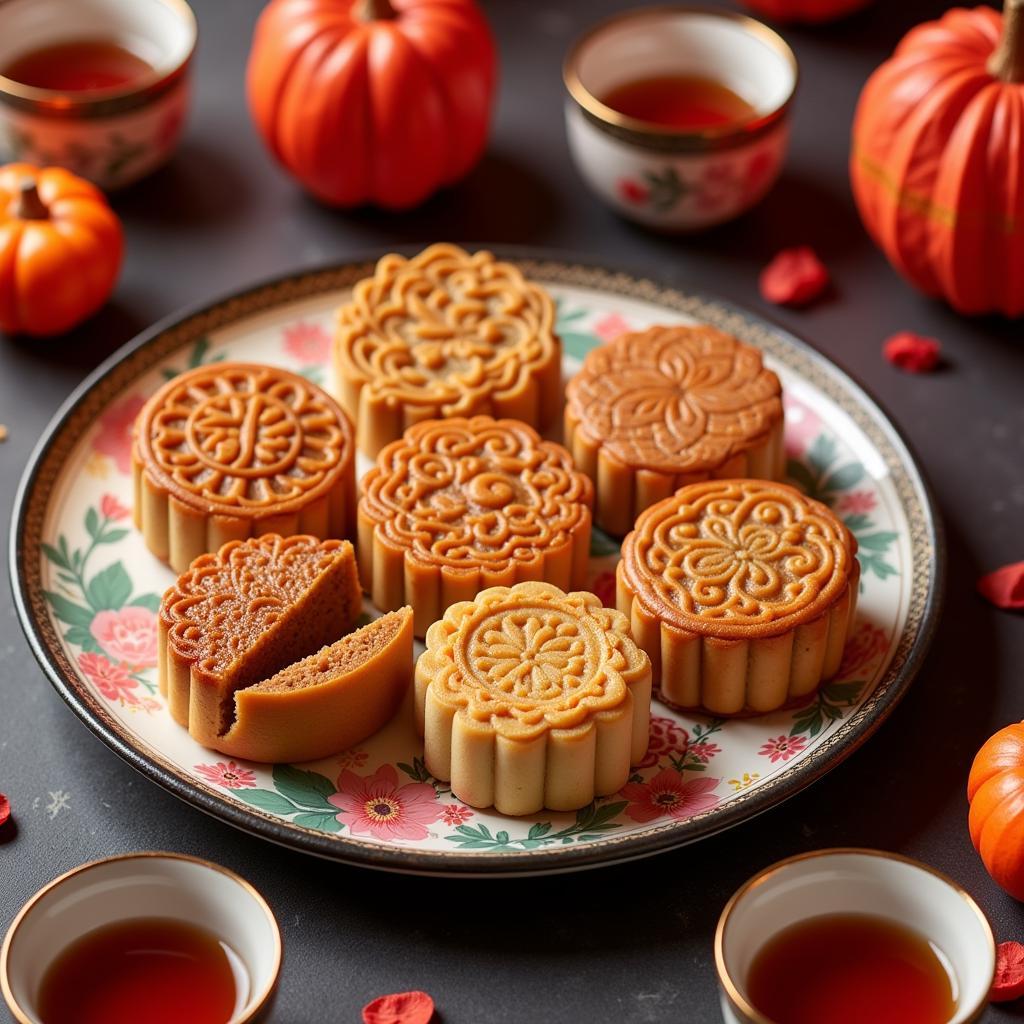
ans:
(239, 616)
(459, 505)
(235, 450)
(655, 410)
(446, 333)
(743, 593)
(528, 697)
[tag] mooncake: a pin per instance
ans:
(459, 505)
(446, 333)
(528, 697)
(238, 617)
(742, 592)
(654, 410)
(235, 450)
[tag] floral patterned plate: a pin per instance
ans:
(87, 592)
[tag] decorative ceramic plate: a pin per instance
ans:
(87, 591)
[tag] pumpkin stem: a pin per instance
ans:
(27, 204)
(1007, 60)
(374, 10)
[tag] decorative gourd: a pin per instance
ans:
(60, 249)
(938, 146)
(808, 11)
(377, 101)
(995, 790)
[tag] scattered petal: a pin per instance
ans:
(3, 433)
(1009, 979)
(912, 352)
(400, 1008)
(795, 277)
(1004, 587)
(5, 810)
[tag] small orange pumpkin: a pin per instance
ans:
(938, 146)
(60, 249)
(995, 790)
(373, 101)
(808, 11)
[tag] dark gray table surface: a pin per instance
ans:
(624, 944)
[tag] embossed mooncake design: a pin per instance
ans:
(253, 609)
(458, 505)
(742, 592)
(446, 333)
(653, 411)
(235, 450)
(528, 697)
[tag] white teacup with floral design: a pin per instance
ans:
(854, 881)
(664, 177)
(112, 136)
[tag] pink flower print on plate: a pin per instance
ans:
(666, 737)
(115, 434)
(610, 326)
(377, 806)
(667, 795)
(111, 508)
(782, 748)
(867, 643)
(227, 774)
(113, 681)
(456, 814)
(128, 635)
(856, 503)
(309, 344)
(803, 425)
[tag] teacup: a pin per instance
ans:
(852, 881)
(141, 885)
(664, 177)
(111, 136)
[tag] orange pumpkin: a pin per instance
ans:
(373, 101)
(938, 147)
(995, 790)
(60, 249)
(809, 11)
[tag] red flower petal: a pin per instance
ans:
(5, 810)
(795, 277)
(912, 352)
(1009, 979)
(1004, 587)
(400, 1008)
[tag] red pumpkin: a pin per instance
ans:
(373, 101)
(809, 11)
(938, 152)
(60, 249)
(995, 790)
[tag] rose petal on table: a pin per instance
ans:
(912, 352)
(400, 1008)
(1004, 587)
(5, 810)
(795, 277)
(1009, 980)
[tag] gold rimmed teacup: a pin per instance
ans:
(142, 885)
(111, 136)
(854, 881)
(664, 177)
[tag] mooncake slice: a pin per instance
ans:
(235, 450)
(237, 617)
(528, 697)
(742, 592)
(329, 701)
(446, 333)
(459, 505)
(655, 410)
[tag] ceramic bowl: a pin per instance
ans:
(110, 136)
(854, 882)
(164, 885)
(663, 177)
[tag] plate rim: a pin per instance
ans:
(452, 863)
